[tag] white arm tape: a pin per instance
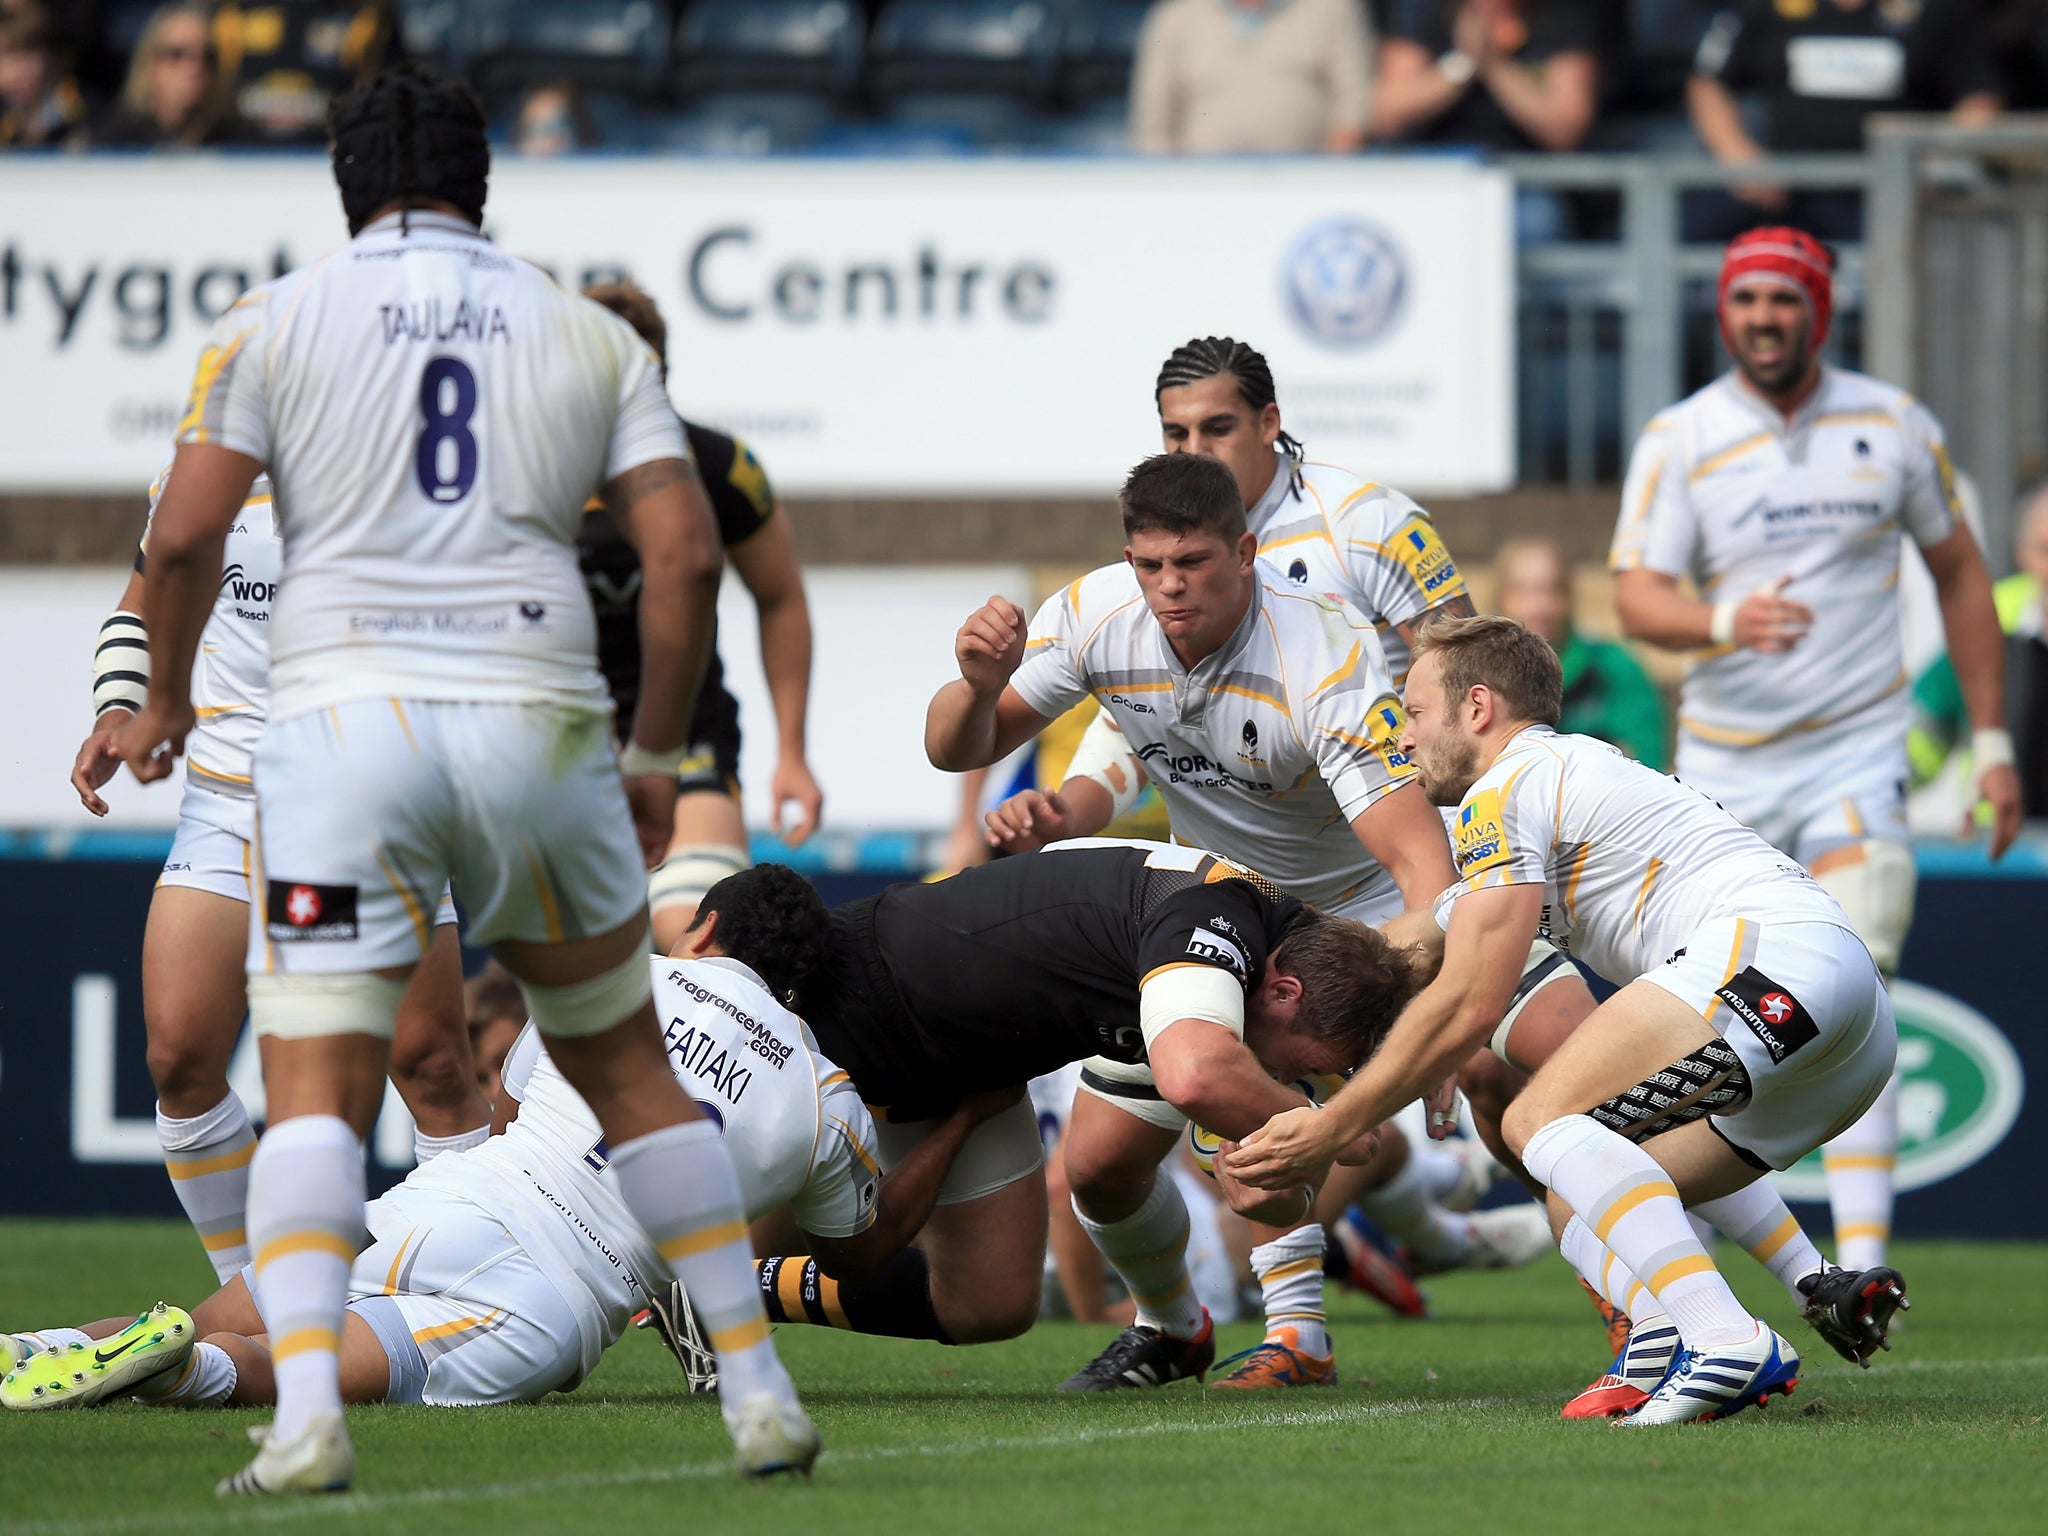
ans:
(1722, 629)
(1190, 992)
(120, 665)
(1991, 749)
(1105, 756)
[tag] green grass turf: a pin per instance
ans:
(1445, 1426)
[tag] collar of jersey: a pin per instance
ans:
(1261, 512)
(1769, 416)
(1203, 673)
(418, 219)
(727, 963)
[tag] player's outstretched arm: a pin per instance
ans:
(207, 487)
(1484, 952)
(907, 1196)
(978, 717)
(1031, 818)
(767, 563)
(1404, 833)
(1976, 650)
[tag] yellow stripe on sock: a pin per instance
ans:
(1678, 1269)
(1628, 1202)
(305, 1242)
(220, 1240)
(1851, 1229)
(1843, 1162)
(1782, 1234)
(1152, 1302)
(740, 1336)
(1289, 1271)
(199, 1167)
(789, 1290)
(1636, 1288)
(306, 1341)
(828, 1298)
(703, 1240)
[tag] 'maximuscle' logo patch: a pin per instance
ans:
(297, 912)
(1773, 1015)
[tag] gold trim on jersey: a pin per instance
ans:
(422, 929)
(1730, 454)
(1349, 667)
(1643, 896)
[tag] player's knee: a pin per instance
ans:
(1489, 1085)
(1524, 1117)
(1105, 1179)
(434, 1073)
(189, 1078)
(1001, 1308)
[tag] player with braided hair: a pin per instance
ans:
(434, 415)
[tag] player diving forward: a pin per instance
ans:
(1783, 489)
(194, 988)
(502, 1273)
(1270, 724)
(433, 416)
(1753, 1024)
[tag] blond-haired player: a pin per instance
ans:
(433, 416)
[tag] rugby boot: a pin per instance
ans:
(1364, 1266)
(79, 1375)
(1145, 1357)
(670, 1314)
(1642, 1362)
(1277, 1361)
(771, 1436)
(1706, 1384)
(320, 1460)
(1852, 1309)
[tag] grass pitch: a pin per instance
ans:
(1447, 1425)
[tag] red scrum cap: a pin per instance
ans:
(1785, 255)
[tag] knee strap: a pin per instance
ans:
(1711, 1081)
(594, 1006)
(1546, 965)
(283, 1006)
(687, 873)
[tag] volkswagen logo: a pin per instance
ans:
(1343, 282)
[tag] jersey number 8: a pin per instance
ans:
(445, 461)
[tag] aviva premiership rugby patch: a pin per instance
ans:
(296, 912)
(1423, 556)
(1773, 1015)
(1384, 726)
(1482, 842)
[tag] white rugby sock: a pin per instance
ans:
(680, 1186)
(1756, 1218)
(206, 1380)
(208, 1159)
(1404, 1209)
(1599, 1267)
(1290, 1271)
(1440, 1171)
(53, 1338)
(426, 1148)
(1859, 1165)
(1631, 1206)
(1149, 1250)
(306, 1225)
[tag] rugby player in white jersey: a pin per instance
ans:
(1782, 491)
(433, 416)
(194, 987)
(1751, 1024)
(502, 1274)
(1268, 717)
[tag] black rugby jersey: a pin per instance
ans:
(741, 500)
(1016, 968)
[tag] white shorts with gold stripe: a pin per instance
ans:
(366, 808)
(1804, 794)
(476, 1320)
(1804, 1010)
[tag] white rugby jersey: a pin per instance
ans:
(1722, 488)
(1632, 862)
(1266, 751)
(433, 415)
(230, 686)
(795, 1127)
(1366, 543)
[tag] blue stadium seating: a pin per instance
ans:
(755, 76)
(616, 47)
(1097, 47)
(983, 67)
(437, 32)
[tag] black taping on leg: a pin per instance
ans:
(896, 1301)
(1711, 1081)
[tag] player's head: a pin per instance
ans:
(1776, 298)
(1474, 683)
(1331, 991)
(769, 918)
(496, 1011)
(1215, 397)
(2030, 534)
(1533, 586)
(1186, 540)
(634, 305)
(408, 139)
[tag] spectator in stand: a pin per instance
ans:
(175, 95)
(2018, 33)
(1252, 77)
(80, 39)
(288, 57)
(1819, 68)
(1941, 722)
(40, 107)
(1506, 75)
(1606, 691)
(554, 120)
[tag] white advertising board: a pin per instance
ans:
(874, 328)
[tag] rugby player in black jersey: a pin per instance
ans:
(1138, 952)
(710, 839)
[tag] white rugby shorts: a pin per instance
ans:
(998, 1152)
(364, 807)
(1807, 797)
(1803, 1008)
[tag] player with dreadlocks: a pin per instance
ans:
(433, 416)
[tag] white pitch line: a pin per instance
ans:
(264, 1512)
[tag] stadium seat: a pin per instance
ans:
(985, 67)
(124, 23)
(779, 46)
(1663, 36)
(617, 47)
(1097, 48)
(743, 123)
(437, 32)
